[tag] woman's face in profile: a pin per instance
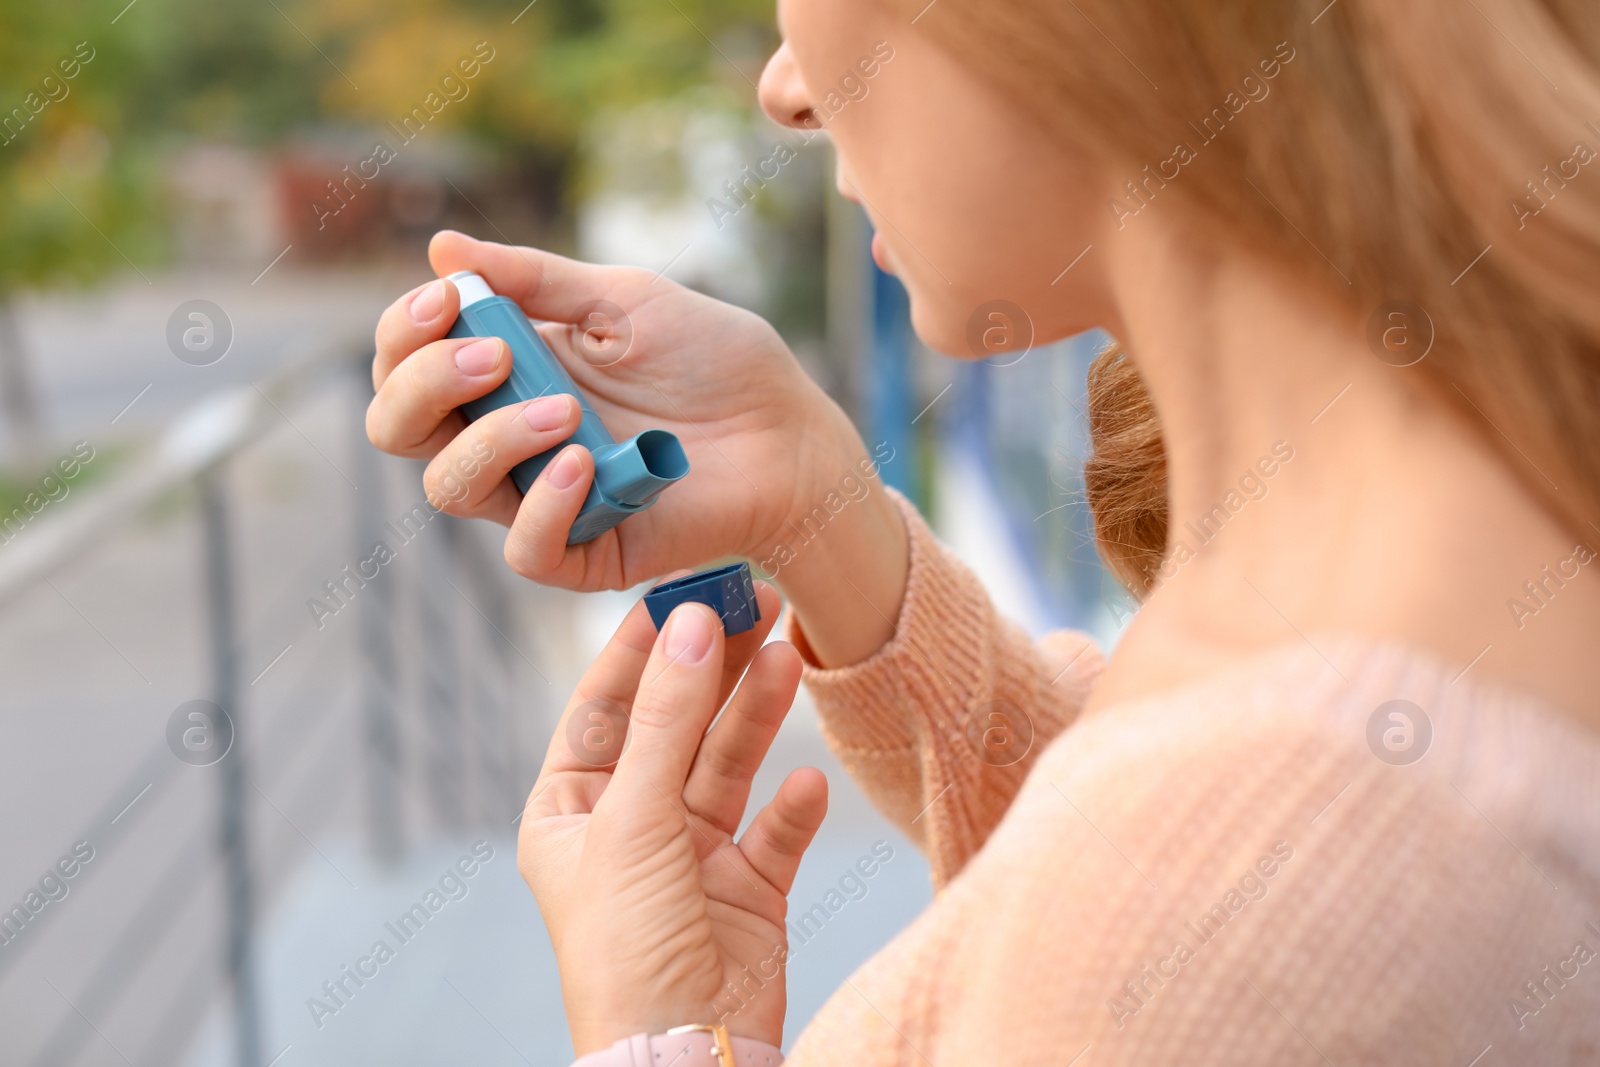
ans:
(971, 203)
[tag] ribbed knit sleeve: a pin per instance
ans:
(942, 723)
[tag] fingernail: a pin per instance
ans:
(566, 470)
(688, 635)
(548, 412)
(480, 357)
(426, 305)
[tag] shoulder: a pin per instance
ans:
(1372, 850)
(1182, 877)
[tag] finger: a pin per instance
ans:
(414, 411)
(782, 831)
(719, 782)
(536, 546)
(589, 736)
(676, 701)
(560, 794)
(742, 648)
(468, 477)
(615, 673)
(421, 316)
(547, 286)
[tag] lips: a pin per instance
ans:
(880, 249)
(880, 252)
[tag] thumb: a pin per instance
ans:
(548, 286)
(676, 701)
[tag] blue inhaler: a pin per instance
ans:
(627, 477)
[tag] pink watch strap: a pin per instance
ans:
(685, 1046)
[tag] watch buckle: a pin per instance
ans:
(721, 1041)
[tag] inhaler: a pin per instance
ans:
(627, 476)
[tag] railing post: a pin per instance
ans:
(375, 616)
(442, 692)
(499, 700)
(233, 837)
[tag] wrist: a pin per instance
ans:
(595, 1031)
(842, 557)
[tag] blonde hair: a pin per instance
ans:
(1403, 138)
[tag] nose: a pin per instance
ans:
(783, 92)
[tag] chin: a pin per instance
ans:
(940, 328)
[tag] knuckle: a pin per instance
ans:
(721, 763)
(453, 476)
(420, 391)
(389, 326)
(787, 843)
(641, 276)
(782, 836)
(520, 556)
(380, 333)
(654, 709)
(379, 431)
(444, 490)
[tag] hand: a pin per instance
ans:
(652, 906)
(765, 444)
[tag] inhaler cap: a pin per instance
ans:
(473, 289)
(729, 591)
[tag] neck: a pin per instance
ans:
(1314, 489)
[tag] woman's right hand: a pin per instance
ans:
(765, 444)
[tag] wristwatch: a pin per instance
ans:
(699, 1045)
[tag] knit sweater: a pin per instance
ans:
(1252, 869)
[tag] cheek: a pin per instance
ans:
(972, 204)
(973, 207)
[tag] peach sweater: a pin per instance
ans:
(1224, 874)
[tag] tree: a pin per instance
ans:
(94, 98)
(69, 208)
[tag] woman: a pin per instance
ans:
(1335, 798)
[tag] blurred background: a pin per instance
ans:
(204, 206)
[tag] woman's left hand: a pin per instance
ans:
(659, 917)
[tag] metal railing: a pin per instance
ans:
(223, 853)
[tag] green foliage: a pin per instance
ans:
(37, 490)
(83, 182)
